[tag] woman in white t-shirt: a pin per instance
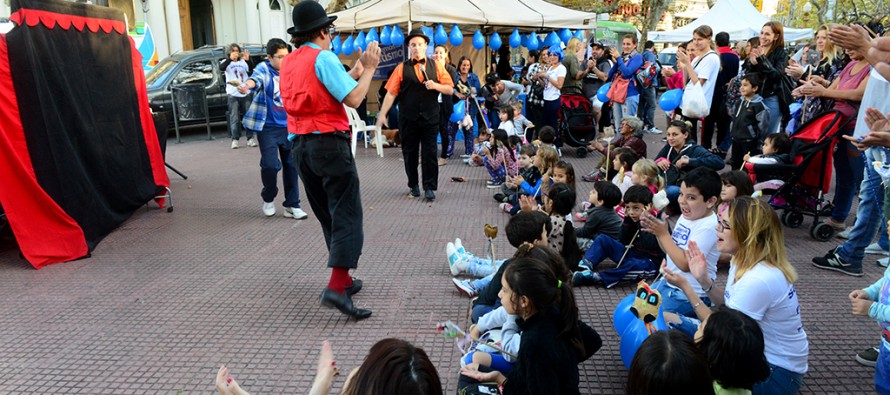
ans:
(554, 75)
(760, 284)
(704, 69)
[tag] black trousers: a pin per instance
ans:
(740, 148)
(445, 111)
(419, 139)
(718, 119)
(330, 181)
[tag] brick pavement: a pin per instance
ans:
(167, 298)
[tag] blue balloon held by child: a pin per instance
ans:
(459, 111)
(603, 92)
(670, 100)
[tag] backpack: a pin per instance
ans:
(647, 74)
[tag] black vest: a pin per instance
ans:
(416, 102)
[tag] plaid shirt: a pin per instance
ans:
(255, 117)
(534, 69)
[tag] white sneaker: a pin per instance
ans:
(268, 208)
(251, 143)
(296, 213)
(234, 144)
(875, 249)
(465, 287)
(456, 262)
(845, 234)
(460, 247)
(655, 130)
(883, 262)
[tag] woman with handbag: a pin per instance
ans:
(681, 154)
(770, 60)
(700, 75)
(624, 94)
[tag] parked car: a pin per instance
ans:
(196, 66)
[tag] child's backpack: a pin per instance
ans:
(647, 74)
(733, 94)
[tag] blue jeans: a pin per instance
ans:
(633, 268)
(869, 216)
(629, 108)
(275, 155)
(673, 300)
(482, 309)
(237, 107)
(781, 381)
(882, 371)
(848, 168)
(775, 114)
(646, 109)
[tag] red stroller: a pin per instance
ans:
(577, 126)
(808, 178)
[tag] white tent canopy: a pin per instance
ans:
(739, 18)
(528, 14)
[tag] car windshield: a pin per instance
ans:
(667, 58)
(157, 75)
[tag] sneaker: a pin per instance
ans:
(500, 197)
(234, 144)
(415, 192)
(466, 156)
(493, 185)
(456, 262)
(251, 143)
(295, 213)
(875, 249)
(506, 207)
(442, 162)
(655, 130)
(832, 261)
(268, 208)
(460, 248)
(883, 262)
(581, 217)
(465, 287)
(585, 278)
(868, 357)
(845, 234)
(838, 226)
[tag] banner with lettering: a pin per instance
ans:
(390, 57)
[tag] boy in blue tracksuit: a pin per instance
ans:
(874, 302)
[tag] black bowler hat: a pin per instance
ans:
(417, 32)
(308, 16)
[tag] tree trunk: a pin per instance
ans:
(652, 11)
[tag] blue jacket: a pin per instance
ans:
(628, 71)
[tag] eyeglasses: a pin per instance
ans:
(416, 45)
(723, 225)
(279, 57)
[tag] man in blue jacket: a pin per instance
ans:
(646, 110)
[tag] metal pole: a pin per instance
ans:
(206, 115)
(175, 115)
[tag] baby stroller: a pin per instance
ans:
(577, 126)
(808, 178)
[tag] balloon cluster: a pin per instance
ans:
(636, 317)
(392, 35)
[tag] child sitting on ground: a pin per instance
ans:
(623, 165)
(546, 137)
(637, 253)
(733, 345)
(527, 170)
(736, 183)
(521, 123)
(600, 217)
(776, 150)
(668, 362)
(506, 116)
(750, 120)
(874, 302)
(545, 159)
(500, 160)
(479, 145)
(645, 173)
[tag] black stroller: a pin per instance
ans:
(577, 126)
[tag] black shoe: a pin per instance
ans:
(343, 303)
(500, 197)
(355, 287)
(833, 261)
(429, 195)
(415, 192)
(868, 357)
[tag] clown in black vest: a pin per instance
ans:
(418, 82)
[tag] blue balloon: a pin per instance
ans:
(360, 42)
(603, 92)
(335, 45)
(515, 39)
(478, 40)
(631, 339)
(524, 40)
(396, 36)
(659, 321)
(441, 37)
(533, 43)
(386, 35)
(348, 45)
(429, 33)
(459, 111)
(495, 41)
(564, 35)
(579, 35)
(456, 37)
(371, 37)
(622, 315)
(670, 100)
(551, 40)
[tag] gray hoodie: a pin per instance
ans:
(750, 119)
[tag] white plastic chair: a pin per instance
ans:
(358, 126)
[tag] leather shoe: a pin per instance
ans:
(429, 195)
(343, 303)
(355, 287)
(415, 192)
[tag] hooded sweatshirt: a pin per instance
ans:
(750, 119)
